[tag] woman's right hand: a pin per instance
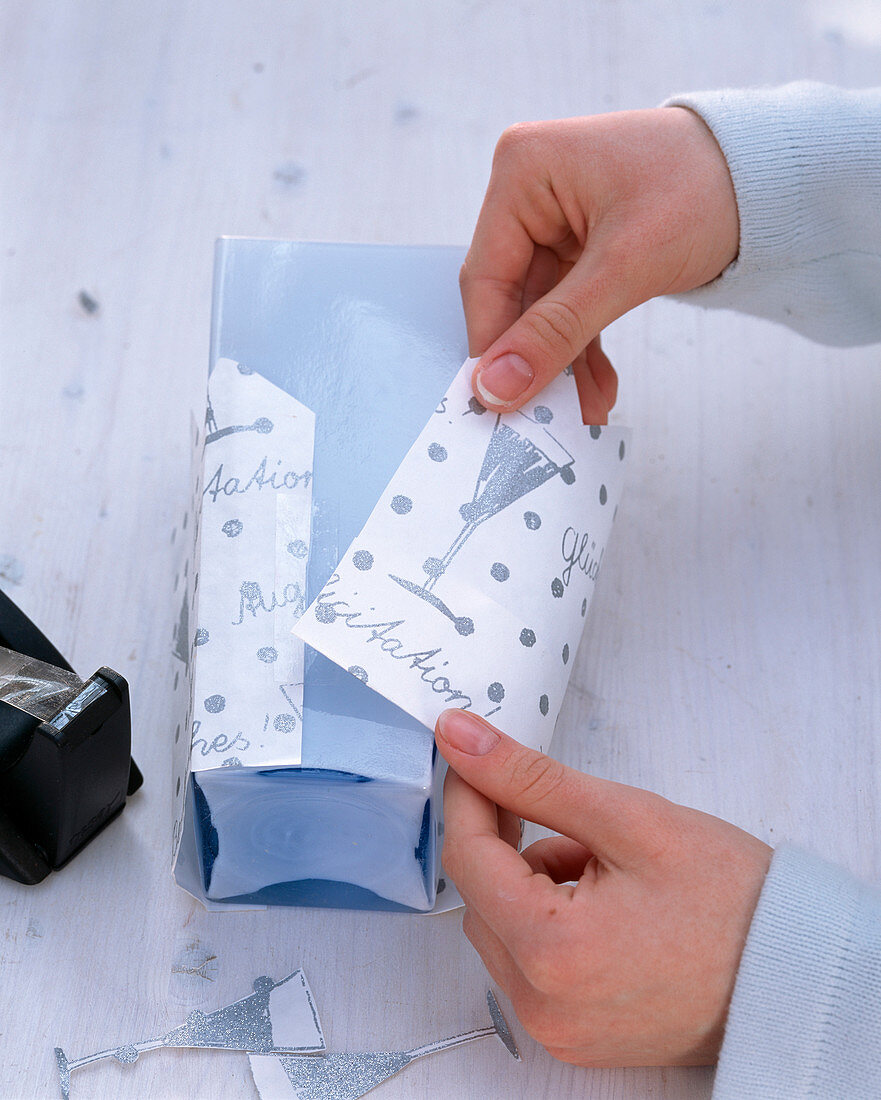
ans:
(583, 219)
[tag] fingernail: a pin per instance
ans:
(467, 733)
(504, 379)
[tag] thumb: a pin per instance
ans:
(617, 823)
(550, 335)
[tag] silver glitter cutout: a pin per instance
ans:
(245, 1025)
(347, 1076)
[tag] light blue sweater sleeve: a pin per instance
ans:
(805, 160)
(805, 1018)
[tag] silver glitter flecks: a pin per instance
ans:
(244, 1025)
(340, 1076)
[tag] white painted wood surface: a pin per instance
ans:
(732, 658)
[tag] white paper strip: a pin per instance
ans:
(256, 509)
(470, 582)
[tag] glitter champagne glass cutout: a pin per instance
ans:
(513, 465)
(346, 1076)
(277, 1018)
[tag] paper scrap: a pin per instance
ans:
(256, 522)
(470, 582)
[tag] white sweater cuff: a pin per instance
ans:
(805, 160)
(805, 1018)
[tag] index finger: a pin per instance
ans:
(494, 878)
(493, 276)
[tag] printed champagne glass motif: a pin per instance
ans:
(347, 1076)
(263, 425)
(514, 465)
(246, 1025)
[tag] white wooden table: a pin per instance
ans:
(732, 658)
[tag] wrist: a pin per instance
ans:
(718, 216)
